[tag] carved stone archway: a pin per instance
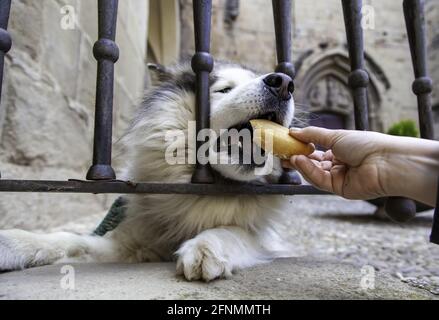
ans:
(323, 92)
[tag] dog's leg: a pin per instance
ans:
(22, 249)
(216, 253)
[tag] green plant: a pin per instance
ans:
(405, 128)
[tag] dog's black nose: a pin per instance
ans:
(280, 85)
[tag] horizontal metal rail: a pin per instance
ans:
(125, 187)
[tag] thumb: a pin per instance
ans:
(321, 136)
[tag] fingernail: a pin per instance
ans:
(295, 129)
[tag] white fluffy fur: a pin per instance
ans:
(209, 236)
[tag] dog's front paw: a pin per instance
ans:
(21, 249)
(197, 261)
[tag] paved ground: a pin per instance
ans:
(284, 279)
(347, 231)
(334, 238)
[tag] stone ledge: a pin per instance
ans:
(295, 278)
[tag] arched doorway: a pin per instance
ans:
(324, 95)
(330, 104)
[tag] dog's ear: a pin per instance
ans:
(159, 73)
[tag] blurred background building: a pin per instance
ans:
(46, 113)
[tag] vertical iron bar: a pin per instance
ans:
(358, 78)
(422, 86)
(282, 28)
(202, 65)
(5, 38)
(106, 53)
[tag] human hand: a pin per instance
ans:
(367, 165)
(350, 168)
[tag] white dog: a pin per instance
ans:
(209, 236)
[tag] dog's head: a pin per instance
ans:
(237, 95)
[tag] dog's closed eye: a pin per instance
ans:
(224, 90)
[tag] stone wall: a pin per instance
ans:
(319, 50)
(46, 114)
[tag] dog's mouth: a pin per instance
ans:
(237, 141)
(271, 116)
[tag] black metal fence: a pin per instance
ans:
(101, 177)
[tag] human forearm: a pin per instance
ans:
(412, 169)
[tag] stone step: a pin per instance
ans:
(293, 278)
